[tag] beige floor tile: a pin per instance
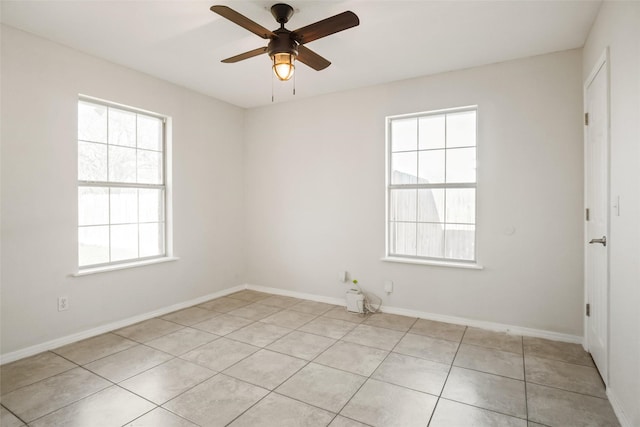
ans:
(30, 370)
(166, 381)
(322, 386)
(110, 407)
(500, 394)
(160, 418)
(341, 421)
(219, 354)
(223, 324)
(565, 352)
(302, 345)
(190, 316)
(259, 334)
(86, 351)
(372, 336)
(412, 372)
(532, 424)
(255, 311)
(224, 304)
(356, 358)
(249, 295)
(450, 414)
(36, 400)
(332, 328)
(490, 360)
(381, 404)
(217, 401)
(280, 411)
(148, 330)
(182, 341)
(444, 331)
(7, 419)
(312, 307)
(128, 363)
(491, 339)
(429, 348)
(289, 319)
(265, 368)
(341, 313)
(280, 301)
(555, 407)
(567, 376)
(391, 321)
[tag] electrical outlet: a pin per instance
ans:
(63, 303)
(388, 286)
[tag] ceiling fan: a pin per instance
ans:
(286, 46)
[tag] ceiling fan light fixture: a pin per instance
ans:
(283, 65)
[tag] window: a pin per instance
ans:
(121, 185)
(431, 186)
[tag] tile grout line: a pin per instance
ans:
(524, 372)
(444, 384)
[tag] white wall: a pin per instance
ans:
(315, 194)
(40, 86)
(618, 27)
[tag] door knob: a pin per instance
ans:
(603, 241)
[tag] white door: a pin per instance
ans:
(597, 223)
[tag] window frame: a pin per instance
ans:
(416, 259)
(164, 186)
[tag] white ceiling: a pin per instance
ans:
(183, 41)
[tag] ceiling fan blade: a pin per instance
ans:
(243, 21)
(332, 25)
(312, 59)
(246, 55)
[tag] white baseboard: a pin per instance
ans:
(617, 409)
(499, 327)
(59, 342)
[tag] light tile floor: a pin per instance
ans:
(255, 359)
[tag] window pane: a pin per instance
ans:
(461, 205)
(122, 164)
(149, 133)
(149, 167)
(461, 165)
(124, 205)
(150, 205)
(124, 242)
(403, 205)
(460, 242)
(461, 129)
(404, 168)
(403, 238)
(93, 206)
(92, 161)
(122, 127)
(430, 240)
(404, 134)
(151, 239)
(93, 245)
(431, 132)
(92, 122)
(431, 167)
(431, 205)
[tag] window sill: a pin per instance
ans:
(470, 266)
(95, 270)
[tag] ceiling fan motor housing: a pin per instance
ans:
(283, 43)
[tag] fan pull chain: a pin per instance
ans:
(271, 87)
(294, 84)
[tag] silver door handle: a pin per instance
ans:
(603, 241)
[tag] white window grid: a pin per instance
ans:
(417, 186)
(114, 184)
